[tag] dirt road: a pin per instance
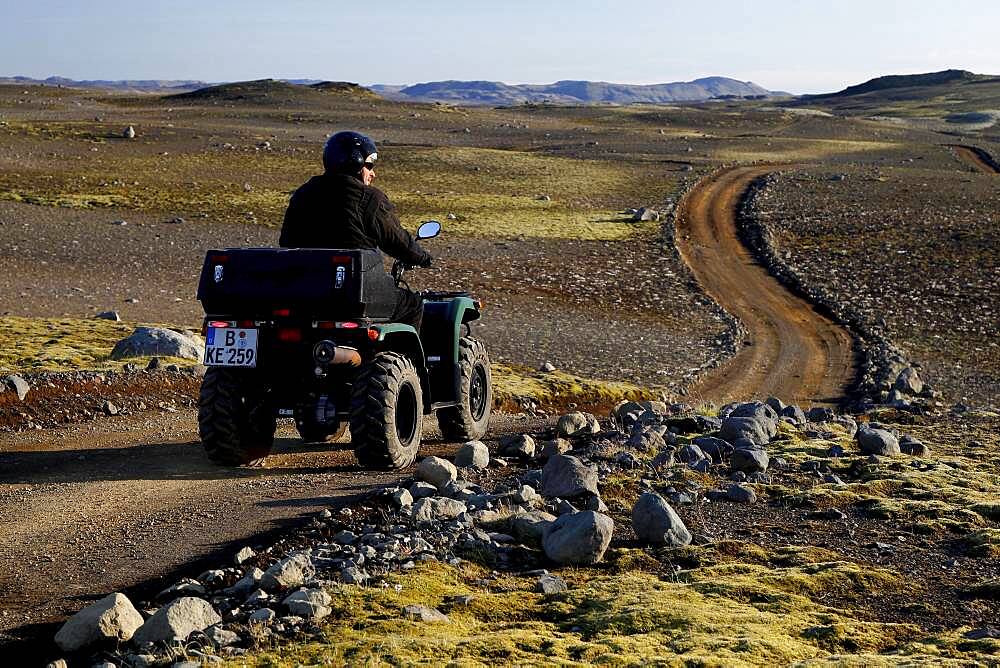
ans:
(792, 352)
(121, 503)
(977, 158)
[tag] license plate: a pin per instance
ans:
(229, 346)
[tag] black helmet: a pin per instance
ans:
(347, 152)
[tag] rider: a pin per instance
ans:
(341, 209)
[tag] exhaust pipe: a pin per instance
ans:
(330, 354)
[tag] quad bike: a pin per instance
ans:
(307, 334)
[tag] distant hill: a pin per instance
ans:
(272, 91)
(128, 85)
(897, 82)
(576, 92)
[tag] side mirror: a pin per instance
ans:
(428, 229)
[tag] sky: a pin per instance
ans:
(804, 46)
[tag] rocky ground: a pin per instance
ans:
(749, 538)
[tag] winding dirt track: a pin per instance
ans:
(792, 351)
(976, 158)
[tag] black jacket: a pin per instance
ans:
(339, 211)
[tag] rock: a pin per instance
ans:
(655, 522)
(750, 461)
(221, 637)
(309, 603)
(421, 490)
(547, 367)
(819, 414)
(578, 538)
(58, 663)
(664, 459)
(473, 454)
(109, 408)
(909, 382)
(129, 132)
(292, 571)
(690, 454)
(645, 214)
(716, 448)
(17, 384)
(178, 619)
(751, 428)
(186, 587)
(421, 613)
(572, 424)
(646, 440)
(550, 584)
(877, 442)
(154, 341)
(983, 633)
(113, 618)
(566, 477)
(437, 471)
(353, 575)
(776, 404)
(556, 446)
(246, 584)
(755, 409)
(543, 198)
(530, 526)
(108, 315)
(262, 616)
(795, 413)
(913, 447)
(693, 424)
(520, 446)
(523, 495)
(437, 508)
(402, 498)
(741, 493)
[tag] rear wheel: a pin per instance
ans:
(235, 419)
(470, 419)
(387, 413)
(317, 420)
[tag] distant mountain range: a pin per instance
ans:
(475, 92)
(576, 92)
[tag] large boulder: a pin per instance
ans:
(437, 471)
(750, 460)
(566, 477)
(158, 342)
(292, 571)
(113, 618)
(877, 442)
(765, 414)
(752, 428)
(178, 619)
(656, 522)
(908, 381)
(573, 424)
(578, 538)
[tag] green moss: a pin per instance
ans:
(557, 390)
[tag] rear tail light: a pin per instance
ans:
(282, 312)
(341, 259)
(347, 325)
(290, 335)
(373, 334)
(220, 259)
(324, 324)
(218, 324)
(246, 323)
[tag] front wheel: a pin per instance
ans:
(470, 419)
(387, 413)
(235, 419)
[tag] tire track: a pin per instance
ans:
(792, 351)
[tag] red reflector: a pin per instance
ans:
(284, 312)
(341, 259)
(326, 324)
(218, 324)
(219, 259)
(373, 334)
(347, 325)
(289, 335)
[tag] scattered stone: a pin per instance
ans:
(646, 440)
(716, 448)
(644, 214)
(262, 616)
(246, 584)
(749, 460)
(421, 613)
(353, 575)
(186, 587)
(550, 584)
(129, 132)
(572, 424)
(17, 384)
(827, 514)
(751, 428)
(221, 637)
(983, 633)
(421, 490)
(664, 459)
(556, 446)
(877, 442)
(654, 521)
(908, 381)
(530, 526)
(402, 498)
(820, 414)
(547, 367)
(795, 413)
(437, 471)
(566, 477)
(113, 618)
(520, 446)
(292, 571)
(578, 538)
(178, 619)
(473, 454)
(913, 447)
(437, 508)
(309, 603)
(108, 315)
(109, 408)
(690, 454)
(741, 493)
(156, 341)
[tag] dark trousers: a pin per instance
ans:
(409, 309)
